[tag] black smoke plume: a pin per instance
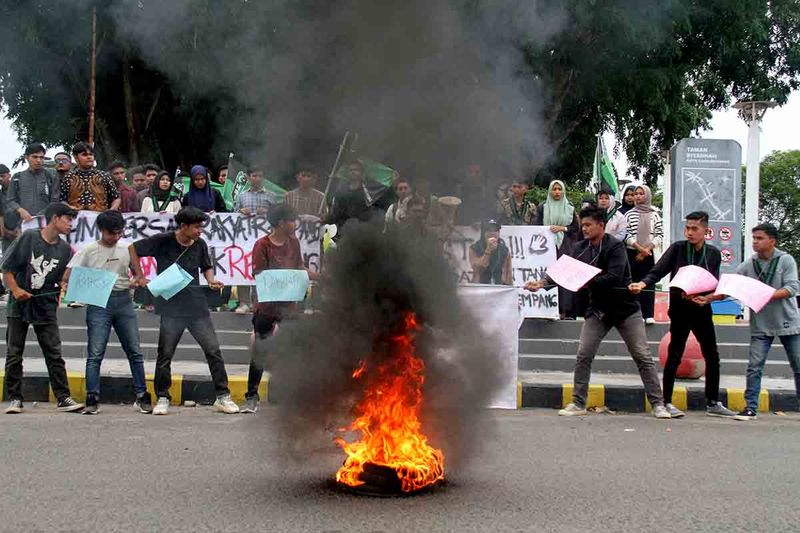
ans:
(371, 281)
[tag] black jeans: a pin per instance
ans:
(202, 329)
(685, 317)
(50, 343)
(264, 328)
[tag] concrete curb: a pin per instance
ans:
(119, 389)
(632, 399)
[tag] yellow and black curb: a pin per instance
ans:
(632, 398)
(119, 389)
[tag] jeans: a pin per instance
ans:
(50, 343)
(633, 333)
(264, 327)
(118, 314)
(202, 329)
(759, 348)
(699, 320)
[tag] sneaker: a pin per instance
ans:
(659, 411)
(162, 406)
(242, 309)
(14, 407)
(250, 405)
(719, 410)
(649, 321)
(572, 410)
(674, 412)
(143, 403)
(225, 405)
(75, 305)
(68, 405)
(747, 414)
(92, 407)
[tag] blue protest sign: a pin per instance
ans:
(170, 282)
(90, 286)
(281, 285)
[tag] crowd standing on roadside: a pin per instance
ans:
(620, 236)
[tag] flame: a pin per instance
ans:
(388, 420)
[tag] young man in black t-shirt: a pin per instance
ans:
(32, 272)
(689, 313)
(188, 308)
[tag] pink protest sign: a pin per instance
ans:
(694, 280)
(571, 273)
(751, 292)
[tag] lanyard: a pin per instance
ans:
(770, 271)
(690, 254)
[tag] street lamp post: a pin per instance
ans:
(752, 112)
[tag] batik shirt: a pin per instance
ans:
(90, 190)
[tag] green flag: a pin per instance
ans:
(603, 176)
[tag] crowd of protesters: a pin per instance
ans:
(621, 236)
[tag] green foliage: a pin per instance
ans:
(780, 197)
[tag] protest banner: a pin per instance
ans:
(170, 282)
(572, 274)
(281, 285)
(230, 238)
(91, 286)
(532, 250)
(751, 292)
(693, 279)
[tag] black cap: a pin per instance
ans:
(58, 209)
(494, 223)
(4, 169)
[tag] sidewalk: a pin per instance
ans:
(624, 392)
(191, 381)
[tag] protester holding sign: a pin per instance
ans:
(689, 313)
(278, 250)
(187, 309)
(109, 254)
(161, 198)
(609, 307)
(780, 318)
(201, 195)
(489, 257)
(32, 271)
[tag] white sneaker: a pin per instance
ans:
(572, 410)
(649, 321)
(162, 406)
(242, 309)
(674, 412)
(659, 411)
(225, 405)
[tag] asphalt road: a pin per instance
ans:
(196, 470)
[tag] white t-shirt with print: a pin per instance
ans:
(116, 259)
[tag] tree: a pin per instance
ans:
(780, 197)
(519, 86)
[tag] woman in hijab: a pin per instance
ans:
(201, 195)
(615, 221)
(162, 198)
(643, 235)
(627, 199)
(557, 213)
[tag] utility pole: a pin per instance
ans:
(752, 112)
(92, 75)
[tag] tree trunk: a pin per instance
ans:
(133, 153)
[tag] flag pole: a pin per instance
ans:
(333, 172)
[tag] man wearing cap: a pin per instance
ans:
(490, 258)
(32, 270)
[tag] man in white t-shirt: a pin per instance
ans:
(110, 254)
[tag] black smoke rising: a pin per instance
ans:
(430, 85)
(371, 281)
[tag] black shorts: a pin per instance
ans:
(264, 325)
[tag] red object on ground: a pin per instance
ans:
(692, 364)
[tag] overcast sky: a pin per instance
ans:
(779, 131)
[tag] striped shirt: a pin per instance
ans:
(306, 202)
(656, 231)
(255, 200)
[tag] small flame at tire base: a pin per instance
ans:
(387, 418)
